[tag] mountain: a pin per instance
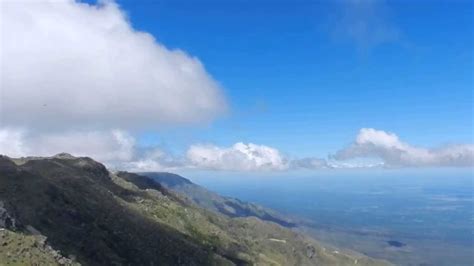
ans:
(65, 210)
(212, 201)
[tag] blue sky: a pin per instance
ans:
(296, 80)
(240, 85)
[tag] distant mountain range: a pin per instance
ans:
(65, 210)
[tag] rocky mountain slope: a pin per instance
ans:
(228, 206)
(68, 210)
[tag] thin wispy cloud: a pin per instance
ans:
(365, 23)
(310, 163)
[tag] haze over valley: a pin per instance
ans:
(236, 132)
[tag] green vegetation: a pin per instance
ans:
(21, 249)
(64, 206)
(209, 200)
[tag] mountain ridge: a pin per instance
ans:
(71, 210)
(207, 199)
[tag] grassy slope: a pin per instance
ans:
(102, 219)
(212, 201)
(21, 249)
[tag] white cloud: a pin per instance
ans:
(119, 150)
(365, 23)
(106, 146)
(70, 71)
(115, 148)
(353, 164)
(153, 159)
(66, 64)
(395, 153)
(313, 163)
(310, 163)
(244, 157)
(11, 142)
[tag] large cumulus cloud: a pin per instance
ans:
(240, 156)
(71, 73)
(66, 64)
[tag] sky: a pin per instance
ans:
(240, 85)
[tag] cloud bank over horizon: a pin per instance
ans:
(119, 150)
(67, 64)
(396, 153)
